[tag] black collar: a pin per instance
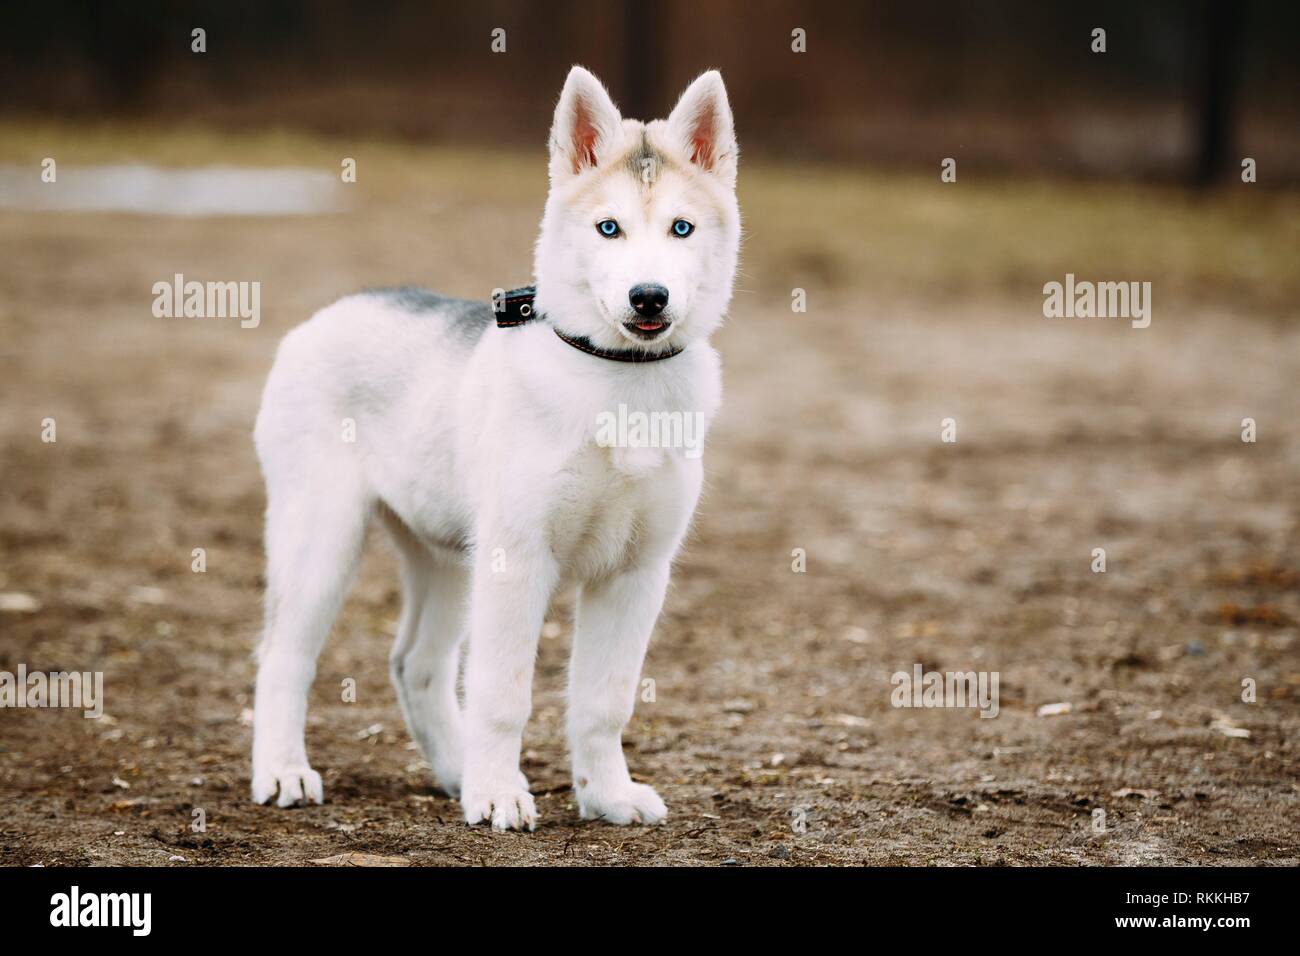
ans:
(516, 308)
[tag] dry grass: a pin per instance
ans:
(833, 227)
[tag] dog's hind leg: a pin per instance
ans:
(414, 565)
(314, 537)
(425, 659)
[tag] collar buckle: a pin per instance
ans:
(516, 307)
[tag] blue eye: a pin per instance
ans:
(682, 228)
(608, 228)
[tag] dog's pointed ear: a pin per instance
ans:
(587, 124)
(702, 126)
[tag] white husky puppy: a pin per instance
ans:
(475, 443)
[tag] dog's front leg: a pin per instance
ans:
(508, 599)
(614, 621)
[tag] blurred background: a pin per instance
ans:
(924, 304)
(1184, 85)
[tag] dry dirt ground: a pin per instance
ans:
(771, 735)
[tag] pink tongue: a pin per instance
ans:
(649, 326)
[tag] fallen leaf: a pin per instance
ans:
(1269, 614)
(1053, 710)
(1229, 729)
(857, 635)
(147, 595)
(1259, 574)
(18, 603)
(1134, 792)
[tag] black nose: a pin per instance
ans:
(648, 300)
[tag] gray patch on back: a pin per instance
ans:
(412, 298)
(466, 319)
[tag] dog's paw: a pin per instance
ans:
(622, 804)
(506, 808)
(289, 787)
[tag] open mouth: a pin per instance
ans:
(647, 328)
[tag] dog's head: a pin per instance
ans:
(641, 232)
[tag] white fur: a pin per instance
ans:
(489, 445)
